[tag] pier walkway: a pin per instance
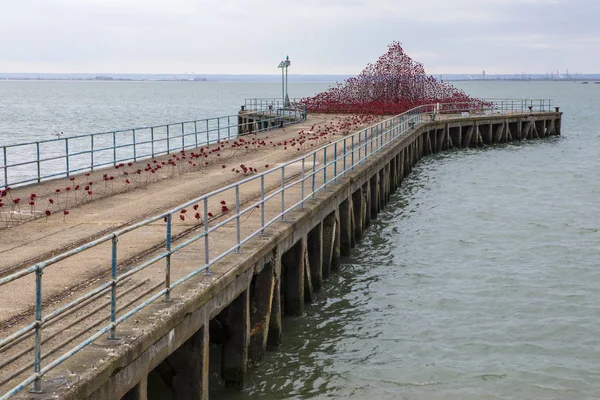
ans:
(184, 232)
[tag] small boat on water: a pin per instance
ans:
(584, 83)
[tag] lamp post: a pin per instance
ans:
(282, 66)
(287, 64)
(284, 80)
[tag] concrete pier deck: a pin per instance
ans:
(247, 293)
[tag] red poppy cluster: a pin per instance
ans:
(394, 84)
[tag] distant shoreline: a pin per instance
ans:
(274, 78)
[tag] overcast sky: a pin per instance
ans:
(320, 36)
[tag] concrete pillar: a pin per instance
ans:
(234, 356)
(274, 336)
(352, 223)
(308, 286)
(329, 232)
(314, 245)
(336, 259)
(393, 175)
(185, 371)
(138, 392)
(382, 191)
(374, 200)
(292, 265)
(366, 189)
(345, 229)
(261, 302)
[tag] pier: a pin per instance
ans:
(140, 278)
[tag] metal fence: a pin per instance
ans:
(266, 103)
(33, 162)
(318, 169)
(489, 105)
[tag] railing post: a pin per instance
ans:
(262, 204)
(114, 148)
(134, 146)
(325, 168)
(218, 129)
(237, 218)
(207, 133)
(37, 148)
(152, 140)
(314, 173)
(168, 259)
(168, 141)
(5, 167)
(344, 163)
(37, 344)
(283, 193)
(335, 158)
(182, 136)
(67, 155)
(206, 253)
(113, 289)
(352, 156)
(302, 189)
(92, 152)
(228, 127)
(196, 133)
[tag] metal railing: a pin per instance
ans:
(33, 162)
(271, 103)
(489, 105)
(497, 105)
(319, 169)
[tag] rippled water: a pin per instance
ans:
(480, 280)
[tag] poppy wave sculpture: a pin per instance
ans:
(394, 84)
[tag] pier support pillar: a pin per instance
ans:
(292, 264)
(234, 358)
(260, 316)
(314, 245)
(331, 243)
(374, 183)
(274, 336)
(366, 190)
(308, 283)
(382, 192)
(358, 204)
(185, 371)
(345, 228)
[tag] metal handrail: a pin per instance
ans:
(350, 151)
(62, 157)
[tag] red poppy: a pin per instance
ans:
(182, 217)
(66, 212)
(48, 213)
